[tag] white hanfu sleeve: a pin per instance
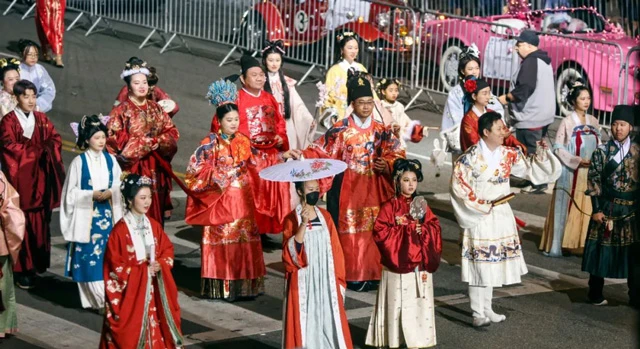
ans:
(116, 196)
(542, 168)
(76, 206)
(468, 209)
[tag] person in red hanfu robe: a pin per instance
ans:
(478, 92)
(30, 154)
(155, 94)
(142, 309)
(369, 149)
(143, 138)
(314, 262)
(261, 121)
(50, 27)
(409, 238)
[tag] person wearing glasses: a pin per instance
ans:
(31, 70)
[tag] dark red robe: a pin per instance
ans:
(133, 131)
(50, 24)
(34, 167)
(126, 288)
(156, 95)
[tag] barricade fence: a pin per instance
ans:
(632, 77)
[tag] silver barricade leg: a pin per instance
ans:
(26, 14)
(75, 21)
(9, 8)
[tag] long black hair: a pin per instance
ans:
(89, 125)
(277, 47)
(467, 55)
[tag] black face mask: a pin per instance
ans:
(312, 198)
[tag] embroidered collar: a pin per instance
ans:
(478, 112)
(251, 94)
(623, 149)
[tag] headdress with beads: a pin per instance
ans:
(131, 69)
(222, 92)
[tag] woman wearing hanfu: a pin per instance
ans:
(90, 207)
(12, 229)
(491, 250)
(33, 71)
(155, 94)
(143, 138)
(300, 124)
(410, 245)
(50, 28)
(576, 139)
(9, 75)
(142, 309)
(613, 239)
(222, 201)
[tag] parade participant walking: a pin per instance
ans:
(30, 155)
(12, 225)
(50, 27)
(491, 249)
(334, 108)
(142, 136)
(90, 207)
(532, 98)
(457, 105)
(31, 70)
(369, 148)
(261, 121)
(300, 124)
(613, 240)
(142, 308)
(478, 92)
(408, 236)
(155, 94)
(315, 316)
(577, 137)
(9, 75)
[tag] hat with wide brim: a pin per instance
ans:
(303, 170)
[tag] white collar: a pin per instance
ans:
(141, 235)
(478, 112)
(346, 65)
(362, 124)
(27, 122)
(492, 158)
(623, 149)
(274, 75)
(251, 94)
(576, 118)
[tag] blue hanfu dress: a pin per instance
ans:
(86, 223)
(568, 219)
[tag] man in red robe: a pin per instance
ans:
(30, 154)
(261, 121)
(369, 149)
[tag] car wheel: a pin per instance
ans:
(254, 32)
(449, 67)
(567, 75)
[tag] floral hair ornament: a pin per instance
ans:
(384, 83)
(222, 92)
(127, 181)
(75, 127)
(274, 45)
(575, 85)
(134, 69)
(470, 85)
(346, 34)
(471, 51)
(13, 63)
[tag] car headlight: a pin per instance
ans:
(408, 41)
(383, 19)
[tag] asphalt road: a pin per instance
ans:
(546, 311)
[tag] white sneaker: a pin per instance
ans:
(481, 322)
(493, 317)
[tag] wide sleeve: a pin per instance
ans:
(468, 133)
(392, 149)
(168, 137)
(302, 118)
(560, 146)
(55, 167)
(468, 208)
(542, 168)
(12, 218)
(120, 266)
(513, 142)
(293, 256)
(595, 180)
(281, 124)
(336, 99)
(127, 149)
(46, 91)
(203, 174)
(116, 195)
(76, 207)
(398, 242)
(453, 110)
(164, 248)
(338, 253)
(327, 146)
(431, 241)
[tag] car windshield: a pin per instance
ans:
(574, 21)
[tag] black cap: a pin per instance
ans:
(529, 36)
(247, 62)
(624, 113)
(358, 86)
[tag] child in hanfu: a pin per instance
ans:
(90, 206)
(408, 236)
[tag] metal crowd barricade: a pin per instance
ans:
(27, 12)
(632, 72)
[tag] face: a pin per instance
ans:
(350, 50)
(10, 79)
(97, 141)
(274, 62)
(583, 102)
(31, 58)
(363, 106)
(254, 79)
(139, 86)
(472, 68)
(496, 136)
(229, 123)
(310, 187)
(27, 101)
(524, 49)
(391, 93)
(408, 183)
(142, 201)
(620, 130)
(483, 96)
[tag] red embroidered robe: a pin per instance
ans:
(133, 130)
(401, 247)
(135, 301)
(356, 195)
(50, 24)
(219, 177)
(156, 95)
(34, 167)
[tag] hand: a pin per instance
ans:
(395, 128)
(543, 143)
(380, 165)
(503, 100)
(292, 154)
(97, 195)
(598, 217)
(279, 140)
(306, 214)
(155, 267)
(418, 228)
(585, 163)
(106, 195)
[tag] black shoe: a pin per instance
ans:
(25, 281)
(358, 286)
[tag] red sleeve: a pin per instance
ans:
(468, 132)
(397, 241)
(291, 257)
(123, 95)
(167, 136)
(512, 141)
(431, 242)
(336, 245)
(281, 125)
(55, 171)
(417, 133)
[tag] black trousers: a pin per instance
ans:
(596, 283)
